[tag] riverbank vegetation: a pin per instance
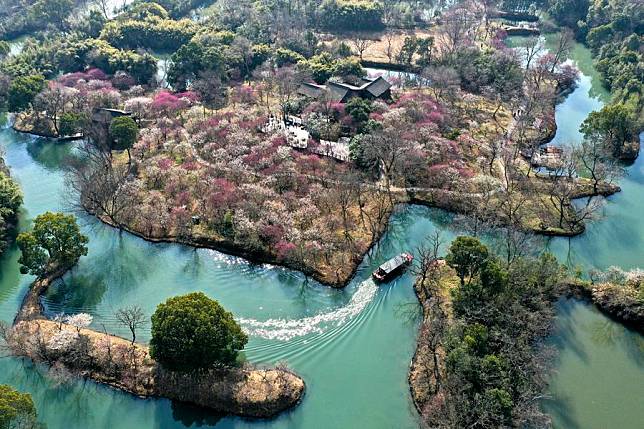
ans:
(54, 242)
(76, 351)
(613, 31)
(620, 294)
(225, 151)
(17, 410)
(480, 358)
(192, 355)
(207, 167)
(10, 201)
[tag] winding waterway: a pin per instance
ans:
(352, 346)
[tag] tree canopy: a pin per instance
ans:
(124, 131)
(613, 125)
(343, 15)
(17, 410)
(192, 332)
(467, 255)
(23, 90)
(10, 201)
(493, 359)
(54, 241)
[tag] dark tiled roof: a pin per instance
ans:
(338, 90)
(378, 86)
(311, 90)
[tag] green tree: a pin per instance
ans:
(568, 12)
(348, 67)
(17, 410)
(467, 255)
(498, 404)
(10, 196)
(124, 132)
(69, 123)
(425, 48)
(359, 109)
(192, 332)
(23, 90)
(494, 277)
(4, 49)
(55, 241)
(94, 23)
(10, 200)
(614, 125)
(283, 57)
(353, 15)
(321, 66)
(52, 12)
(192, 59)
(409, 47)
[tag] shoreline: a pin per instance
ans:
(119, 363)
(419, 381)
(18, 126)
(9, 224)
(627, 312)
(232, 249)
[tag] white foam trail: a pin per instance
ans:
(287, 329)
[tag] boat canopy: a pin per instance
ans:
(392, 264)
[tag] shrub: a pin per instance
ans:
(350, 15)
(192, 332)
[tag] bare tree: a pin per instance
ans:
(344, 196)
(531, 49)
(103, 5)
(565, 42)
(288, 80)
(378, 211)
(514, 243)
(479, 217)
(426, 265)
(442, 79)
(385, 150)
(597, 163)
(390, 48)
(131, 317)
(459, 25)
(101, 188)
(361, 44)
(513, 197)
(210, 89)
(563, 187)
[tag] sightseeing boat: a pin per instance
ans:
(392, 267)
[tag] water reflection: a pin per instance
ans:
(76, 293)
(49, 154)
(190, 415)
(599, 379)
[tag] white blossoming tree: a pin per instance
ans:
(62, 340)
(79, 321)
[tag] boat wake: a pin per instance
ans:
(287, 329)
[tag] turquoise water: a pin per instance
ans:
(353, 346)
(599, 372)
(354, 355)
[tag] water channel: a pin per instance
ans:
(352, 346)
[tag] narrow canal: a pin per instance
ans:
(352, 346)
